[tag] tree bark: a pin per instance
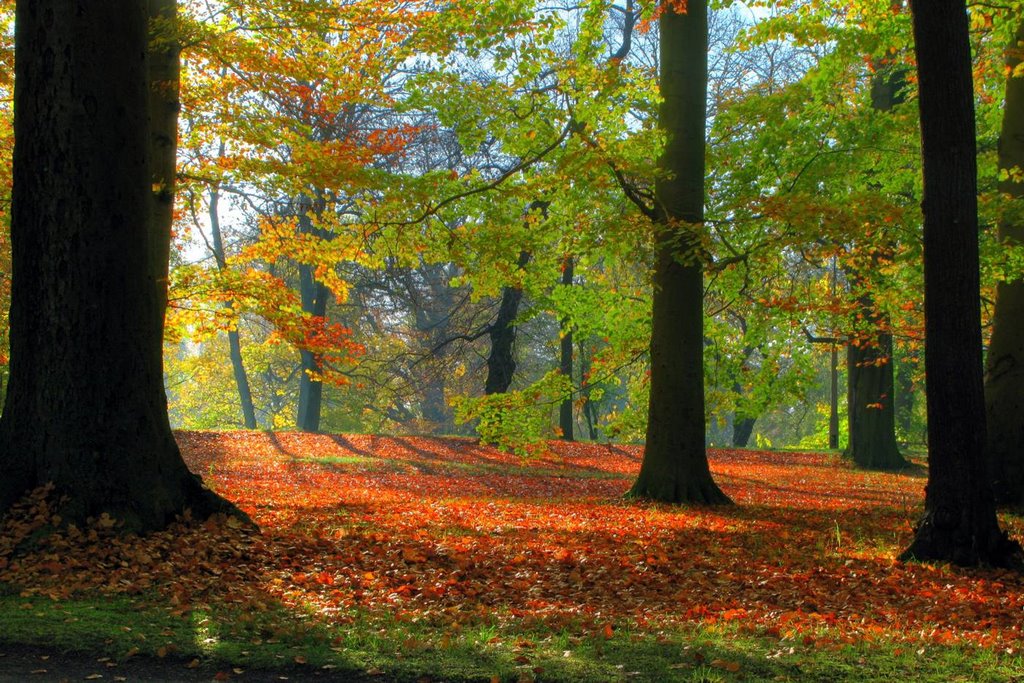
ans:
(871, 408)
(959, 523)
(501, 362)
(565, 419)
(86, 405)
(675, 464)
(1004, 377)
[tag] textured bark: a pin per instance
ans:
(1004, 378)
(501, 362)
(675, 465)
(565, 421)
(959, 523)
(86, 407)
(164, 74)
(234, 341)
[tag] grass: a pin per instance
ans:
(410, 649)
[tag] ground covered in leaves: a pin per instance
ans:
(450, 547)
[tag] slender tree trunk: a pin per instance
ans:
(314, 301)
(833, 398)
(565, 418)
(959, 523)
(742, 429)
(313, 297)
(234, 342)
(675, 465)
(501, 363)
(86, 406)
(589, 407)
(1004, 378)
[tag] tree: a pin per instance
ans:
(959, 523)
(675, 465)
(85, 406)
(871, 406)
(1004, 377)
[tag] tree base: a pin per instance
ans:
(944, 536)
(694, 491)
(884, 460)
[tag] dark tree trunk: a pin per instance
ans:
(164, 74)
(311, 390)
(501, 363)
(589, 407)
(675, 465)
(565, 421)
(1004, 378)
(871, 409)
(833, 398)
(742, 429)
(86, 408)
(959, 523)
(234, 341)
(313, 297)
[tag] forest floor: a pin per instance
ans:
(439, 559)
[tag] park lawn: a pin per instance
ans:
(418, 558)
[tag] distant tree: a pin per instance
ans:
(675, 465)
(959, 523)
(85, 406)
(1004, 378)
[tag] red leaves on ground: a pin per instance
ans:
(425, 527)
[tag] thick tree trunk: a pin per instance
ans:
(675, 465)
(872, 415)
(959, 523)
(234, 341)
(565, 419)
(86, 406)
(1004, 378)
(501, 362)
(871, 409)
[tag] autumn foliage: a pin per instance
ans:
(451, 531)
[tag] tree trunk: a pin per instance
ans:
(959, 523)
(1004, 378)
(234, 342)
(86, 406)
(742, 429)
(833, 398)
(501, 363)
(871, 409)
(872, 416)
(565, 420)
(313, 297)
(675, 465)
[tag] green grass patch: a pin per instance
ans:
(478, 647)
